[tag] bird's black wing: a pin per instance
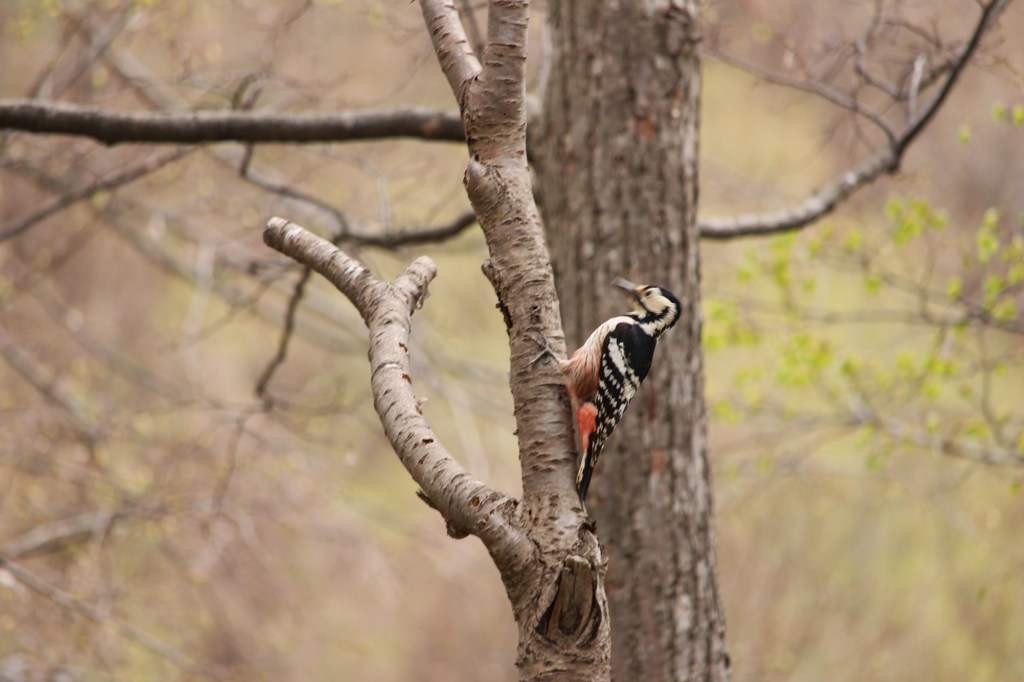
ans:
(625, 361)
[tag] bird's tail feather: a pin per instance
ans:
(586, 470)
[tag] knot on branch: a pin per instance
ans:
(454, 532)
(482, 187)
(412, 284)
(494, 277)
(574, 616)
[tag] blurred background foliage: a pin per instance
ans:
(864, 376)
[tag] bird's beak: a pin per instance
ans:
(634, 290)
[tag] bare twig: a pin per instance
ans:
(286, 336)
(810, 86)
(112, 127)
(410, 237)
(221, 490)
(59, 534)
(97, 615)
(50, 387)
(863, 414)
(124, 216)
(887, 161)
(123, 178)
(343, 229)
(51, 87)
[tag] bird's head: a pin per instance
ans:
(656, 308)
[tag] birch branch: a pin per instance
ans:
(887, 161)
(492, 97)
(458, 61)
(468, 506)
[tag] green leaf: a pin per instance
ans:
(864, 434)
(780, 272)
(953, 288)
(987, 240)
(100, 199)
(894, 208)
(992, 286)
(1015, 274)
(1005, 310)
(872, 282)
(906, 363)
(976, 427)
(851, 365)
(999, 112)
(963, 133)
(747, 271)
(943, 367)
(874, 461)
(1018, 115)
(853, 240)
(991, 218)
(724, 409)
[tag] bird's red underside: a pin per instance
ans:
(586, 423)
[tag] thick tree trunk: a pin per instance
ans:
(618, 170)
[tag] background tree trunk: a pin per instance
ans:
(618, 171)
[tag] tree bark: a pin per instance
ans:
(198, 127)
(557, 591)
(618, 171)
(550, 562)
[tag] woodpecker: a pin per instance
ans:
(604, 373)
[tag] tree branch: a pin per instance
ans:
(113, 127)
(493, 102)
(407, 237)
(65, 600)
(458, 62)
(286, 336)
(469, 506)
(810, 86)
(123, 178)
(816, 206)
(862, 414)
(825, 200)
(58, 535)
(50, 387)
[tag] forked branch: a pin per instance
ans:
(468, 506)
(492, 95)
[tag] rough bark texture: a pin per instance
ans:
(558, 595)
(550, 561)
(619, 177)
